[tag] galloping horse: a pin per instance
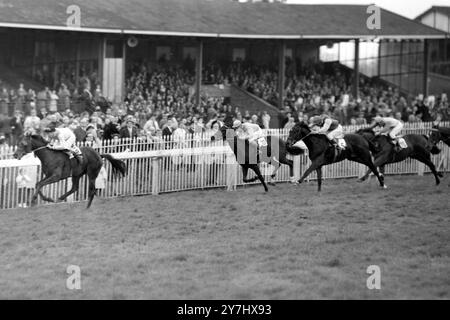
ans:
(57, 166)
(322, 153)
(247, 154)
(384, 151)
(438, 134)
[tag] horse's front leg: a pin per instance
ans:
(244, 175)
(48, 180)
(314, 166)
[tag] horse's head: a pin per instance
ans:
(27, 144)
(23, 147)
(368, 133)
(434, 138)
(297, 133)
(224, 133)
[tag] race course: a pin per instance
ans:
(291, 243)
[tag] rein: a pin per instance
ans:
(305, 136)
(40, 148)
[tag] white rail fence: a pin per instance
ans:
(191, 164)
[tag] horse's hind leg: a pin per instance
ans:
(367, 160)
(92, 174)
(427, 161)
(75, 186)
(91, 192)
(244, 175)
(319, 179)
(260, 177)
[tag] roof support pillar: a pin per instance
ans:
(124, 69)
(281, 72)
(426, 60)
(198, 73)
(356, 71)
(77, 62)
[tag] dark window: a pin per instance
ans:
(114, 49)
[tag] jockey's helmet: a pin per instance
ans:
(315, 121)
(51, 127)
(378, 119)
(236, 124)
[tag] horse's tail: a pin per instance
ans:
(118, 166)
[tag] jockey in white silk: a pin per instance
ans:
(389, 126)
(252, 132)
(64, 139)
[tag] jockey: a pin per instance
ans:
(252, 132)
(388, 125)
(64, 139)
(330, 127)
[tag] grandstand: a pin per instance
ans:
(39, 42)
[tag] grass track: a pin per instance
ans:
(291, 243)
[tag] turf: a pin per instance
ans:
(291, 243)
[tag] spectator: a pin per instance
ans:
(32, 122)
(129, 131)
(265, 120)
(16, 127)
(80, 132)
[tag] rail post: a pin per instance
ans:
(231, 173)
(155, 175)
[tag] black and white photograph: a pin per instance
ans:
(247, 151)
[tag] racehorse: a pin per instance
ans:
(322, 153)
(57, 166)
(384, 151)
(247, 154)
(438, 134)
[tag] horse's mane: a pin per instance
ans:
(365, 130)
(39, 138)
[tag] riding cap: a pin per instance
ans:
(236, 124)
(378, 119)
(316, 120)
(51, 127)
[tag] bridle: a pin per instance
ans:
(37, 149)
(40, 148)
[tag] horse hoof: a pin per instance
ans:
(384, 187)
(360, 180)
(272, 184)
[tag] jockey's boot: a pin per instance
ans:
(394, 142)
(79, 158)
(335, 144)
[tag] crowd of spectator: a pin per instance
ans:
(159, 103)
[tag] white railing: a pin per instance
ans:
(193, 163)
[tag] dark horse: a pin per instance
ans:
(247, 154)
(438, 134)
(384, 151)
(322, 153)
(57, 166)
